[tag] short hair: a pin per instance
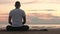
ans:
(17, 3)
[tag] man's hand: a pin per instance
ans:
(24, 19)
(23, 22)
(10, 23)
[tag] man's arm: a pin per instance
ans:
(9, 20)
(24, 19)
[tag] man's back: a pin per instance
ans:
(17, 15)
(17, 19)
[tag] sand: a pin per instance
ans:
(50, 31)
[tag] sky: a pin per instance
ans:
(37, 11)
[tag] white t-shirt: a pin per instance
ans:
(17, 15)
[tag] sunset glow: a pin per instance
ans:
(39, 9)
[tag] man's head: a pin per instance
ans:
(17, 4)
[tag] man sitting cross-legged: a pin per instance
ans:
(17, 19)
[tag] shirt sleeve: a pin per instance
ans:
(24, 13)
(10, 14)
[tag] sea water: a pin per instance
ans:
(36, 26)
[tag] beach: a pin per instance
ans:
(50, 31)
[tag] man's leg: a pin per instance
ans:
(22, 28)
(25, 28)
(8, 28)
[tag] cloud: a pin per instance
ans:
(42, 1)
(43, 10)
(3, 14)
(37, 18)
(5, 1)
(30, 1)
(50, 19)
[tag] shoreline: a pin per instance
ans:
(33, 26)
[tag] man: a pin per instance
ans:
(17, 19)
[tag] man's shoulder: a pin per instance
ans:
(16, 10)
(21, 9)
(13, 9)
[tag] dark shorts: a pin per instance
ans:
(22, 28)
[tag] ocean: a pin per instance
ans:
(36, 26)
